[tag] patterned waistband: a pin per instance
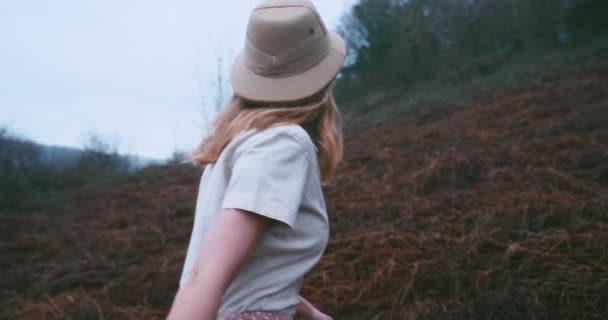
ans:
(259, 315)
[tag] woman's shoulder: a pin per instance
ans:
(292, 131)
(288, 134)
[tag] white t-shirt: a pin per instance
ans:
(273, 172)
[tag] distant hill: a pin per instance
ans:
(17, 151)
(30, 171)
(61, 157)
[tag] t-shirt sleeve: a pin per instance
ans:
(268, 177)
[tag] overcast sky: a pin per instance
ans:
(138, 73)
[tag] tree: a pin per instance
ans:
(20, 169)
(99, 158)
(588, 18)
(394, 44)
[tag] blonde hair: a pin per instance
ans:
(318, 115)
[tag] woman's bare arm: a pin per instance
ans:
(229, 242)
(309, 311)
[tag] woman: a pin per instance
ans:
(261, 222)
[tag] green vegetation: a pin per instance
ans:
(515, 72)
(423, 53)
(29, 180)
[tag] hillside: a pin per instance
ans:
(494, 210)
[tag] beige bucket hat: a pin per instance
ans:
(289, 54)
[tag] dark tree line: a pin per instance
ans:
(397, 43)
(26, 176)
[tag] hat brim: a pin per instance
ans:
(254, 87)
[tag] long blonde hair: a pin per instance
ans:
(318, 115)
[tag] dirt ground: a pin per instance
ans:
(497, 210)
